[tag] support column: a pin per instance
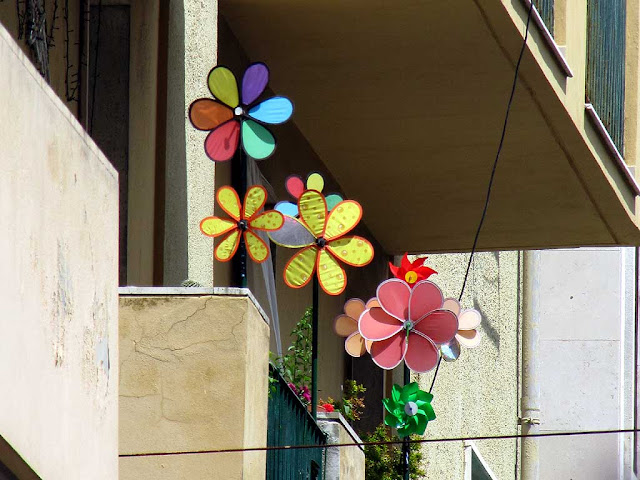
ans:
(192, 53)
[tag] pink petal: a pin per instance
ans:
(221, 144)
(425, 297)
(469, 319)
(376, 324)
(452, 304)
(422, 354)
(468, 338)
(440, 326)
(389, 353)
(393, 295)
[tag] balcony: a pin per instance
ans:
(404, 107)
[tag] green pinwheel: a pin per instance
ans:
(409, 409)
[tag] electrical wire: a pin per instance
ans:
(386, 442)
(493, 171)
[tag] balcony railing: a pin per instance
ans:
(289, 423)
(606, 20)
(546, 10)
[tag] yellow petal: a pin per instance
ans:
(228, 246)
(315, 182)
(269, 220)
(332, 277)
(254, 200)
(223, 86)
(355, 251)
(256, 247)
(298, 271)
(214, 226)
(229, 201)
(313, 211)
(343, 218)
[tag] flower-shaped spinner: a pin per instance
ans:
(407, 325)
(229, 116)
(467, 334)
(322, 237)
(409, 409)
(244, 220)
(346, 325)
(295, 186)
(411, 272)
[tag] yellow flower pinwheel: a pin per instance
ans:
(244, 220)
(321, 235)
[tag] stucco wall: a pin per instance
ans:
(58, 287)
(341, 463)
(586, 312)
(193, 377)
(478, 394)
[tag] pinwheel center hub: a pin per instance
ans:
(408, 325)
(411, 277)
(238, 111)
(243, 225)
(410, 408)
(321, 242)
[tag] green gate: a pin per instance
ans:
(546, 9)
(606, 30)
(289, 423)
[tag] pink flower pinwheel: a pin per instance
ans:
(407, 325)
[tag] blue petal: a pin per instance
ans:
(287, 208)
(273, 110)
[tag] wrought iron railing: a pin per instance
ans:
(546, 10)
(606, 30)
(289, 423)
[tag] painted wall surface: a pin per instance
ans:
(586, 311)
(478, 394)
(58, 287)
(193, 376)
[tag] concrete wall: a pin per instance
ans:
(342, 463)
(586, 313)
(58, 257)
(478, 394)
(193, 377)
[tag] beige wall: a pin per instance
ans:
(58, 257)
(478, 394)
(193, 377)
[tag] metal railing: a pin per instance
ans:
(289, 423)
(546, 10)
(606, 30)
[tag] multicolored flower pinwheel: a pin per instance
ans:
(229, 117)
(407, 325)
(321, 235)
(409, 410)
(243, 221)
(467, 334)
(346, 325)
(411, 272)
(295, 186)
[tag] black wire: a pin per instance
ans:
(493, 172)
(495, 162)
(95, 67)
(386, 442)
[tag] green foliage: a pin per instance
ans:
(295, 364)
(384, 462)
